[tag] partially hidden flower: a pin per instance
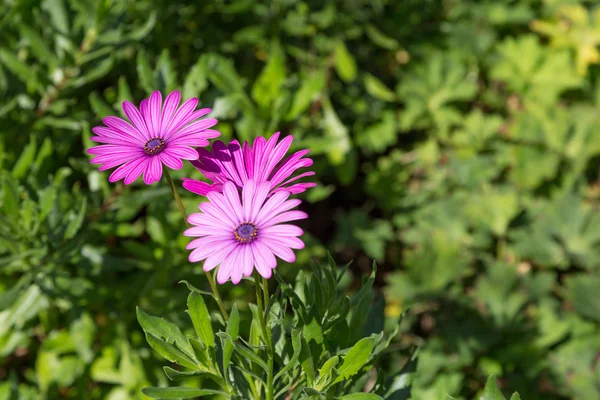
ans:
(240, 237)
(158, 134)
(260, 162)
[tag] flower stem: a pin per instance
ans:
(266, 332)
(211, 280)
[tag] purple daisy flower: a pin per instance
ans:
(241, 237)
(261, 162)
(160, 134)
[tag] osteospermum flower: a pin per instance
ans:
(261, 162)
(158, 134)
(240, 237)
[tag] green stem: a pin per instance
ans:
(211, 280)
(266, 333)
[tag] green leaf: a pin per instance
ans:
(297, 346)
(76, 219)
(360, 396)
(491, 391)
(124, 91)
(198, 312)
(39, 47)
(21, 70)
(582, 292)
(25, 159)
(345, 66)
(245, 352)
(515, 396)
(337, 132)
(312, 329)
(145, 75)
(381, 39)
(307, 363)
(166, 76)
(179, 392)
(171, 353)
(58, 14)
(267, 86)
(144, 30)
(326, 373)
(355, 359)
(196, 81)
(381, 135)
(176, 375)
(398, 386)
(99, 106)
(310, 89)
(99, 70)
(233, 328)
(10, 196)
(377, 89)
(166, 331)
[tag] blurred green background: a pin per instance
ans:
(456, 142)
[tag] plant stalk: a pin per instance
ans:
(266, 332)
(211, 280)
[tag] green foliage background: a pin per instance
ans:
(456, 142)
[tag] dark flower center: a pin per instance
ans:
(246, 232)
(154, 146)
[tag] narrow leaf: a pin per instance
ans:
(200, 318)
(491, 391)
(179, 392)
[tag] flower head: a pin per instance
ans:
(241, 237)
(158, 134)
(261, 162)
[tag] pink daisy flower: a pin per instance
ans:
(261, 162)
(158, 134)
(247, 235)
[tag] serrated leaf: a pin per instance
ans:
(166, 331)
(355, 359)
(170, 352)
(176, 375)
